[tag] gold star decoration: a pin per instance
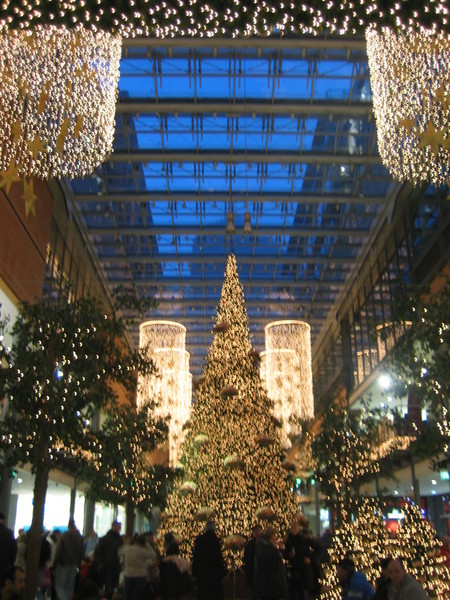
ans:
(8, 177)
(17, 131)
(43, 97)
(84, 71)
(36, 146)
(78, 127)
(442, 95)
(62, 136)
(6, 76)
(407, 123)
(29, 197)
(431, 137)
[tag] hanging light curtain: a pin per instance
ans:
(287, 373)
(171, 386)
(410, 81)
(58, 91)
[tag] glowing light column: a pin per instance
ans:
(171, 386)
(286, 371)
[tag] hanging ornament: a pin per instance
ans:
(204, 514)
(229, 391)
(265, 513)
(410, 81)
(233, 461)
(58, 90)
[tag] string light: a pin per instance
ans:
(171, 386)
(172, 18)
(410, 81)
(58, 90)
(286, 371)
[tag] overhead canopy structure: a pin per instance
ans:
(263, 147)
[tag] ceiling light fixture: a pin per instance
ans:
(58, 90)
(410, 81)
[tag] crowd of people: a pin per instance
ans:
(115, 567)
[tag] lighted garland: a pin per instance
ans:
(410, 80)
(170, 18)
(58, 90)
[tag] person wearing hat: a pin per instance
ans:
(354, 583)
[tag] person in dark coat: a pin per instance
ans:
(106, 565)
(270, 575)
(8, 546)
(208, 567)
(67, 561)
(249, 560)
(298, 554)
(382, 583)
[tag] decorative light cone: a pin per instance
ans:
(286, 371)
(171, 386)
(410, 81)
(58, 91)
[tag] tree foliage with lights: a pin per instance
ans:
(232, 458)
(344, 454)
(364, 539)
(419, 363)
(419, 547)
(61, 369)
(123, 472)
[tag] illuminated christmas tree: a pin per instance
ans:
(232, 459)
(420, 550)
(364, 540)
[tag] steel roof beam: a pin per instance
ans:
(210, 304)
(298, 109)
(256, 283)
(143, 156)
(218, 197)
(301, 42)
(218, 259)
(202, 230)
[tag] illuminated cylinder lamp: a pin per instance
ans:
(410, 82)
(58, 91)
(286, 370)
(171, 385)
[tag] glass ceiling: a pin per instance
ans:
(265, 148)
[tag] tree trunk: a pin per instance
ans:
(34, 535)
(129, 511)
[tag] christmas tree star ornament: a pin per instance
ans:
(8, 177)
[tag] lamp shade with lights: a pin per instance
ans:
(58, 92)
(410, 81)
(287, 373)
(171, 386)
